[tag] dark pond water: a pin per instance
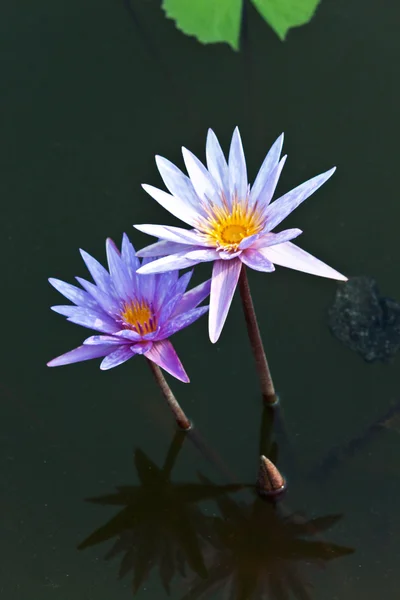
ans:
(91, 91)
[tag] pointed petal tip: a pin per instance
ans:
(54, 308)
(147, 187)
(138, 226)
(183, 376)
(236, 133)
(214, 336)
(160, 160)
(111, 245)
(141, 269)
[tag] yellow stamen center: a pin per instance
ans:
(226, 226)
(139, 316)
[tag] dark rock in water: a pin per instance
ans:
(365, 321)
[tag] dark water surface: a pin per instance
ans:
(90, 92)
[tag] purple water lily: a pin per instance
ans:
(135, 315)
(232, 221)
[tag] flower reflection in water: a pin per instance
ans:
(160, 522)
(256, 551)
(252, 551)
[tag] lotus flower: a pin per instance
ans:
(135, 315)
(232, 222)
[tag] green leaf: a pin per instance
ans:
(208, 20)
(284, 14)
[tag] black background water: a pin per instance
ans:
(90, 93)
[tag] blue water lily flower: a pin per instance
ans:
(135, 314)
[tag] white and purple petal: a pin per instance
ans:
(228, 254)
(203, 182)
(163, 354)
(100, 275)
(87, 317)
(117, 357)
(177, 182)
(163, 248)
(257, 261)
(105, 301)
(143, 347)
(182, 260)
(175, 234)
(291, 256)
(130, 259)
(175, 295)
(237, 168)
(178, 207)
(165, 281)
(80, 354)
(269, 164)
(72, 293)
(247, 242)
(118, 271)
(193, 297)
(183, 320)
(223, 284)
(272, 239)
(265, 195)
(147, 285)
(96, 340)
(281, 208)
(216, 163)
(128, 335)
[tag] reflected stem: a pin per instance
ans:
(267, 385)
(266, 430)
(210, 455)
(173, 451)
(180, 417)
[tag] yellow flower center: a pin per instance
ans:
(226, 226)
(139, 316)
(233, 234)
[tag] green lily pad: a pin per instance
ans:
(282, 15)
(213, 21)
(208, 20)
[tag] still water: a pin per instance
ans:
(91, 91)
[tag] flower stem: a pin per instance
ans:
(267, 386)
(180, 417)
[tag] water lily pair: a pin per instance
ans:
(137, 307)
